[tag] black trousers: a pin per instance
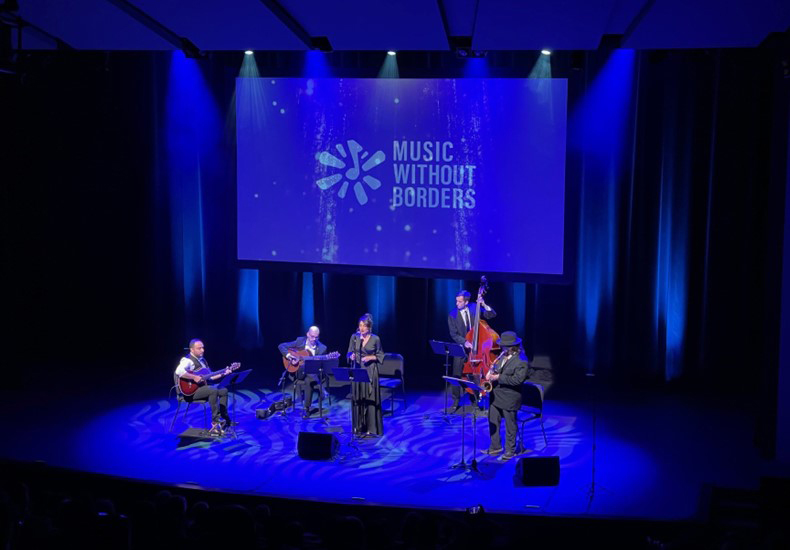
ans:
(214, 395)
(495, 415)
(308, 383)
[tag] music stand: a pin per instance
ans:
(448, 349)
(319, 368)
(472, 465)
(353, 375)
(235, 377)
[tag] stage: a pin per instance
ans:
(623, 455)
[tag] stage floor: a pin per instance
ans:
(637, 456)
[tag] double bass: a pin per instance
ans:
(484, 349)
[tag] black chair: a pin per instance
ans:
(391, 377)
(298, 386)
(531, 409)
(181, 398)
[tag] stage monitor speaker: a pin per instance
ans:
(317, 446)
(538, 471)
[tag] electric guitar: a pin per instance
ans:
(189, 387)
(299, 356)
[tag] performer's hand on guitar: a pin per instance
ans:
(197, 379)
(227, 370)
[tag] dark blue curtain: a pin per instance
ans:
(120, 220)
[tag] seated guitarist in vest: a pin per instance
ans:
(310, 343)
(220, 420)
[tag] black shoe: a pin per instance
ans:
(455, 408)
(492, 452)
(227, 424)
(306, 414)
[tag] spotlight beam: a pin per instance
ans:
(182, 43)
(289, 21)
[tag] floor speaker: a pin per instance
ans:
(538, 471)
(317, 446)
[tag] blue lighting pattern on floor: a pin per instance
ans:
(636, 470)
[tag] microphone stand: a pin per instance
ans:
(357, 364)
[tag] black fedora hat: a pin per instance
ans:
(509, 338)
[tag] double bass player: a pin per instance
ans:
(460, 322)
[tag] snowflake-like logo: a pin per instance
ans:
(352, 175)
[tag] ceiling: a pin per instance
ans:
(398, 24)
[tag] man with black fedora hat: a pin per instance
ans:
(506, 375)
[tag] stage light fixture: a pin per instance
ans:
(190, 50)
(610, 42)
(545, 52)
(462, 46)
(320, 43)
(391, 52)
(248, 52)
(466, 53)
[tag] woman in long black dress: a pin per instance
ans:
(365, 349)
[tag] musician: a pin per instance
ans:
(505, 397)
(217, 397)
(309, 382)
(460, 322)
(364, 348)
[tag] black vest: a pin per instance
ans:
(197, 363)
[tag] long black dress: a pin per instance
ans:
(366, 398)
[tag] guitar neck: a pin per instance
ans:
(210, 374)
(232, 367)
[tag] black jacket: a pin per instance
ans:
(506, 394)
(373, 347)
(455, 321)
(320, 349)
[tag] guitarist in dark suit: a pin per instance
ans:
(460, 322)
(505, 397)
(194, 362)
(311, 343)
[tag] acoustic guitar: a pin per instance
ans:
(189, 387)
(299, 356)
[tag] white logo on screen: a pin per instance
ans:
(353, 176)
